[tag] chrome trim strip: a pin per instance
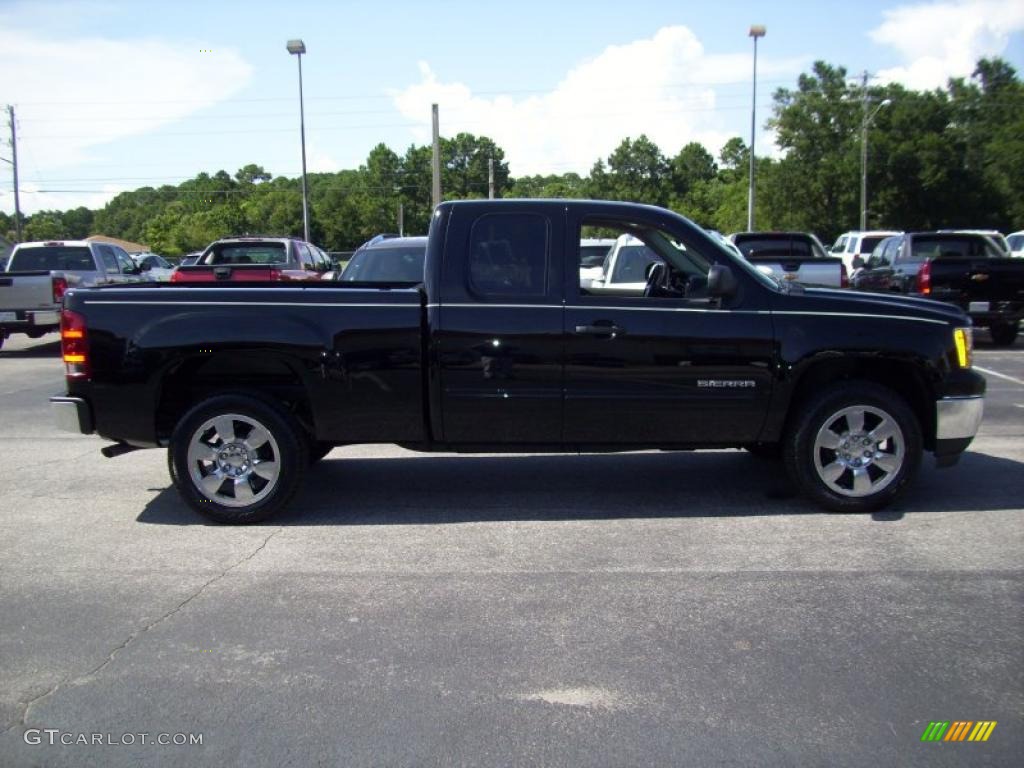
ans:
(604, 308)
(256, 304)
(958, 417)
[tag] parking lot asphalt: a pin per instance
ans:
(636, 609)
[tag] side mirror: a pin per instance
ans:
(858, 262)
(143, 267)
(721, 281)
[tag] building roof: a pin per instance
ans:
(126, 244)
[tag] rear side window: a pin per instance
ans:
(867, 245)
(53, 258)
(508, 255)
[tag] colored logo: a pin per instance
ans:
(958, 730)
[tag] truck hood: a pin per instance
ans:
(828, 300)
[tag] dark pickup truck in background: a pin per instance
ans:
(966, 269)
(500, 348)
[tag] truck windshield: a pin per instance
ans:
(53, 258)
(246, 253)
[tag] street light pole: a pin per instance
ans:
(756, 31)
(297, 48)
(865, 124)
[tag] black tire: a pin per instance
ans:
(318, 449)
(880, 469)
(1004, 335)
(283, 449)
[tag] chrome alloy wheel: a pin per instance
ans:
(858, 451)
(233, 460)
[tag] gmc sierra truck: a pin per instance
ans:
(499, 348)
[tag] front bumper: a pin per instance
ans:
(72, 414)
(956, 423)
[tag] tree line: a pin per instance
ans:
(950, 157)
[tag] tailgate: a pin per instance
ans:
(808, 270)
(228, 273)
(978, 279)
(26, 290)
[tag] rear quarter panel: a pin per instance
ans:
(355, 355)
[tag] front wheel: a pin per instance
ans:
(854, 448)
(237, 459)
(1003, 335)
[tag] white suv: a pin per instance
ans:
(851, 244)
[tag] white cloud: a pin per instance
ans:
(664, 86)
(74, 95)
(945, 39)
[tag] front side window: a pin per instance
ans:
(643, 262)
(508, 255)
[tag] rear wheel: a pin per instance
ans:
(853, 449)
(1004, 335)
(237, 459)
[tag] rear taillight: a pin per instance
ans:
(275, 274)
(74, 344)
(60, 287)
(844, 278)
(176, 277)
(924, 278)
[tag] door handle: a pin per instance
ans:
(600, 329)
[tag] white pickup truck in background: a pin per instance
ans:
(37, 275)
(796, 256)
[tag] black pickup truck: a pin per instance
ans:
(499, 348)
(963, 268)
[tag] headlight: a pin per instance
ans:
(963, 338)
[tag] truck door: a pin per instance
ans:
(497, 325)
(664, 366)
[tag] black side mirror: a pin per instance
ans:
(144, 267)
(858, 262)
(721, 281)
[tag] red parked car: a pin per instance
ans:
(255, 259)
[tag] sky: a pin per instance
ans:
(111, 96)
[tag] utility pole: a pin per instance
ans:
(14, 164)
(864, 151)
(756, 31)
(436, 158)
(401, 219)
(865, 124)
(490, 178)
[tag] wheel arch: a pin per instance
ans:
(269, 376)
(905, 377)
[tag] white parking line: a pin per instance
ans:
(999, 375)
